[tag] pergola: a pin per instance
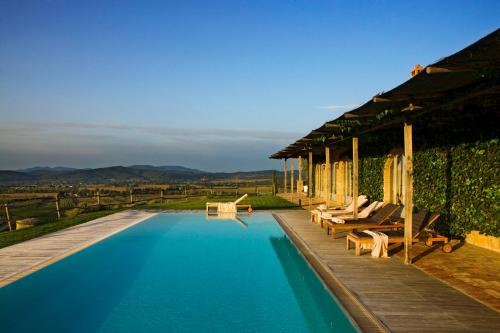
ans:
(468, 77)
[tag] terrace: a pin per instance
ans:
(446, 162)
(448, 112)
(386, 295)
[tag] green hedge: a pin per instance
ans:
(431, 183)
(475, 190)
(458, 179)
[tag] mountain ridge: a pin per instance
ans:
(121, 174)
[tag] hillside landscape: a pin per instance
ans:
(120, 174)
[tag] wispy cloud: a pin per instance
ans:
(89, 145)
(178, 133)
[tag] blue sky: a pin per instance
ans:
(215, 85)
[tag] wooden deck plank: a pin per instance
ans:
(402, 297)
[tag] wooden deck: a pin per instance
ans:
(402, 298)
(24, 258)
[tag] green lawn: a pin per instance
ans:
(17, 236)
(259, 202)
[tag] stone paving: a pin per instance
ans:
(473, 270)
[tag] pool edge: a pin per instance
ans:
(359, 314)
(47, 262)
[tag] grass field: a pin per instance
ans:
(259, 202)
(17, 236)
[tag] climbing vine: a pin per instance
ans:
(455, 172)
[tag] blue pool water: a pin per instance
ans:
(177, 273)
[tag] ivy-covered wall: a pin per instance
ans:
(460, 182)
(456, 172)
(373, 151)
(474, 193)
(371, 177)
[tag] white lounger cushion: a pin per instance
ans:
(374, 206)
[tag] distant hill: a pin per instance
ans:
(166, 168)
(44, 169)
(121, 174)
(15, 177)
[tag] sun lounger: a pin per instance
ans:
(384, 218)
(228, 207)
(363, 214)
(420, 230)
(318, 213)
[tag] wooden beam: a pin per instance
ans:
(309, 179)
(348, 115)
(408, 207)
(328, 175)
(435, 70)
(355, 176)
(284, 177)
(377, 99)
(411, 107)
(291, 174)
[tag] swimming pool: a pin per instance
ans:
(177, 272)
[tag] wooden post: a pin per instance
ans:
(310, 176)
(98, 196)
(57, 207)
(275, 188)
(161, 196)
(317, 170)
(291, 175)
(355, 176)
(284, 176)
(300, 171)
(131, 196)
(328, 170)
(7, 214)
(409, 191)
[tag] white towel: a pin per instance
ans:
(337, 220)
(226, 207)
(325, 215)
(380, 243)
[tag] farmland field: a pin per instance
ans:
(71, 205)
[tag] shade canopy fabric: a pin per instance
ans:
(470, 76)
